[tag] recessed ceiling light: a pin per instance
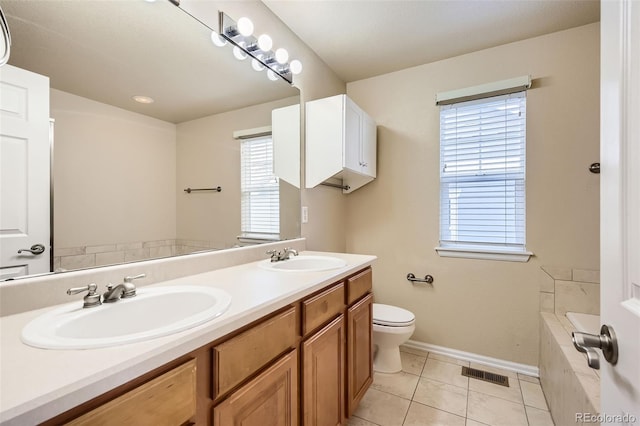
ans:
(143, 99)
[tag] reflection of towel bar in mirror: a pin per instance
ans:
(190, 190)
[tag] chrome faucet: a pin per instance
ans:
(277, 256)
(91, 299)
(121, 291)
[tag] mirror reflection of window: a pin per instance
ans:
(260, 190)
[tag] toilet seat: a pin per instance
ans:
(392, 316)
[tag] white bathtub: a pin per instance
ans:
(587, 323)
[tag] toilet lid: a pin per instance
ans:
(392, 315)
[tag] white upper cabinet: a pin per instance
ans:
(340, 142)
(285, 131)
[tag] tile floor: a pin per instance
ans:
(431, 391)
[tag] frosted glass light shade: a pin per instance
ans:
(217, 39)
(239, 54)
(245, 26)
(265, 43)
(282, 56)
(256, 65)
(295, 66)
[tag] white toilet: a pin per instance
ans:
(392, 326)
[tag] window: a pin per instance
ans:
(482, 178)
(260, 191)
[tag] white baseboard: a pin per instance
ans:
(529, 370)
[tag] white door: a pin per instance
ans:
(620, 206)
(24, 172)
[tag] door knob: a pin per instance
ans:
(35, 249)
(606, 341)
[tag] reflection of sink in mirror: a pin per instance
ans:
(154, 312)
(304, 263)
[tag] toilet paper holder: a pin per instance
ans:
(427, 278)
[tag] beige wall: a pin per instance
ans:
(114, 174)
(485, 307)
(209, 156)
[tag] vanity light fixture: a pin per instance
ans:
(240, 35)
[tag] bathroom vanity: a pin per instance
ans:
(293, 348)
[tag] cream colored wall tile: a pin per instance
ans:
(526, 378)
(533, 396)
(411, 363)
(566, 324)
(78, 262)
(547, 302)
(586, 275)
(56, 263)
(101, 248)
(129, 246)
(591, 385)
(161, 251)
(445, 372)
(442, 396)
(382, 408)
(510, 374)
(137, 254)
(69, 251)
(495, 411)
(421, 415)
(510, 393)
(538, 417)
(577, 360)
(547, 283)
(109, 258)
(572, 296)
(449, 359)
(401, 384)
(558, 272)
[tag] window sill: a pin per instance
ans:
(484, 254)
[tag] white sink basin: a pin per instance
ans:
(304, 263)
(154, 312)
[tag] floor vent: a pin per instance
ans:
(498, 379)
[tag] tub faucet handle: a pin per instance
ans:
(606, 341)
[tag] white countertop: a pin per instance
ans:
(38, 384)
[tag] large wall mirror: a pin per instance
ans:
(120, 168)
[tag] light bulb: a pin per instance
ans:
(272, 75)
(239, 53)
(296, 67)
(256, 65)
(265, 43)
(217, 39)
(282, 56)
(245, 26)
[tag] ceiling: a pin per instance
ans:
(109, 51)
(360, 39)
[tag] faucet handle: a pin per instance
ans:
(136, 277)
(91, 299)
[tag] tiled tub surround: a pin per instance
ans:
(565, 290)
(71, 258)
(569, 384)
(67, 378)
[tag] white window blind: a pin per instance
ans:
(482, 173)
(260, 191)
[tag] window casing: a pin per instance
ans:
(260, 190)
(482, 177)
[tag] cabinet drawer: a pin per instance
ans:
(359, 285)
(320, 308)
(169, 399)
(240, 357)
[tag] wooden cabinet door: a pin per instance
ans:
(271, 399)
(323, 375)
(359, 351)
